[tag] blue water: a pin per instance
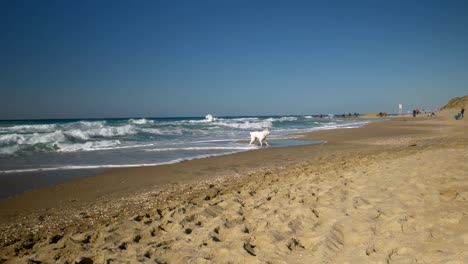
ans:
(64, 145)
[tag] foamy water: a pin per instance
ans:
(47, 145)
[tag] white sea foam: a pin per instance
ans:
(9, 150)
(63, 136)
(163, 131)
(65, 140)
(100, 130)
(242, 119)
(36, 138)
(32, 128)
(112, 131)
(282, 119)
(208, 119)
(202, 148)
(98, 145)
(12, 138)
(109, 166)
(142, 121)
(287, 118)
(333, 125)
(87, 124)
(308, 117)
(77, 134)
(87, 146)
(246, 124)
(217, 140)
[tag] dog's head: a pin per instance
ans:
(266, 131)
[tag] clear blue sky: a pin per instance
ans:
(73, 59)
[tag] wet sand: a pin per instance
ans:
(389, 192)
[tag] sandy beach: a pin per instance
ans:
(390, 192)
(233, 132)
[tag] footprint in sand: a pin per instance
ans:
(448, 194)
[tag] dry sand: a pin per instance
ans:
(391, 192)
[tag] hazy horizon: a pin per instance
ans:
(117, 59)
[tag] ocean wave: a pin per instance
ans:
(64, 141)
(10, 150)
(77, 134)
(98, 131)
(85, 130)
(112, 131)
(87, 124)
(208, 119)
(62, 136)
(42, 128)
(87, 146)
(36, 142)
(241, 119)
(115, 134)
(246, 124)
(163, 131)
(142, 121)
(12, 138)
(282, 119)
(37, 138)
(32, 128)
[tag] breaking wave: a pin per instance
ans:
(282, 119)
(247, 125)
(67, 136)
(87, 146)
(142, 121)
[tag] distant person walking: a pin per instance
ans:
(462, 111)
(414, 112)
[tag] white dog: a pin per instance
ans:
(260, 136)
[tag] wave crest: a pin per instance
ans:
(87, 146)
(247, 125)
(30, 128)
(142, 121)
(282, 119)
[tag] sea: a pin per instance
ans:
(68, 148)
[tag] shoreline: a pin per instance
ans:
(118, 194)
(54, 168)
(190, 171)
(44, 177)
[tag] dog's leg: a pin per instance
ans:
(267, 143)
(261, 143)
